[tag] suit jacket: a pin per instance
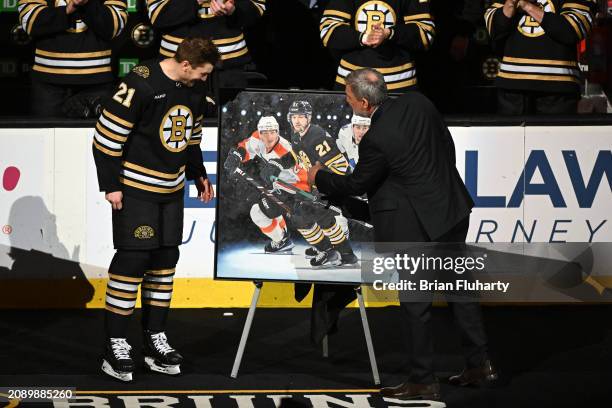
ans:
(407, 168)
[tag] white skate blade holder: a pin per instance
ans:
(161, 368)
(120, 375)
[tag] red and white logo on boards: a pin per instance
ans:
(10, 178)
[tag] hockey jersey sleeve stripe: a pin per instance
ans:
(119, 130)
(337, 164)
(337, 13)
(584, 17)
(31, 18)
(260, 5)
(144, 170)
(117, 119)
(489, 15)
(576, 6)
(414, 17)
(106, 151)
(327, 32)
(154, 7)
(584, 21)
(107, 133)
(107, 142)
(26, 8)
(571, 19)
(118, 11)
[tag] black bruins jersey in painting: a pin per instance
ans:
(178, 19)
(541, 57)
(345, 22)
(318, 146)
(73, 49)
(146, 141)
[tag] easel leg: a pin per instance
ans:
(246, 330)
(368, 337)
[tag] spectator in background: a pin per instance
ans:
(222, 20)
(378, 35)
(72, 62)
(539, 72)
(453, 63)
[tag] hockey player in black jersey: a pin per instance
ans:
(146, 143)
(311, 144)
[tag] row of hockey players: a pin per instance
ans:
(73, 44)
(283, 167)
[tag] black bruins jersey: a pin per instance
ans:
(73, 49)
(178, 19)
(541, 57)
(345, 23)
(146, 141)
(318, 146)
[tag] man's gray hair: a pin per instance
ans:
(368, 83)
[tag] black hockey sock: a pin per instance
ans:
(157, 288)
(125, 275)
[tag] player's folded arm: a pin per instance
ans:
(106, 19)
(417, 30)
(573, 24)
(165, 14)
(39, 20)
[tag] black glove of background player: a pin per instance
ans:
(269, 169)
(235, 156)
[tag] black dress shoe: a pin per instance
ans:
(485, 374)
(412, 391)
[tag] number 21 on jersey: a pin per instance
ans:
(121, 97)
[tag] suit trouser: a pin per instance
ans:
(468, 316)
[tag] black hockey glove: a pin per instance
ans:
(235, 156)
(269, 169)
(295, 138)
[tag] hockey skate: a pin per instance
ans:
(349, 258)
(311, 252)
(117, 361)
(326, 259)
(274, 247)
(159, 356)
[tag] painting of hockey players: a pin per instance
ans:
(272, 225)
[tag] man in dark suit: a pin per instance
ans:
(407, 168)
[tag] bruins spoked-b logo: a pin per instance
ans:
(144, 232)
(143, 35)
(529, 26)
(374, 12)
(176, 127)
